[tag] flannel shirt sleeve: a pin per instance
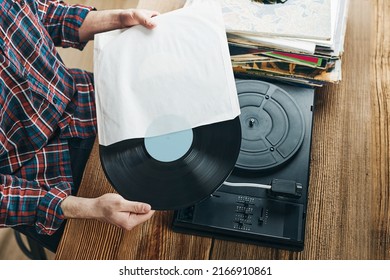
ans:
(27, 203)
(62, 21)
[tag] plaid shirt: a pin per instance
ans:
(42, 104)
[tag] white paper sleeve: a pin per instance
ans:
(174, 77)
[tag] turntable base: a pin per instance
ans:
(256, 215)
(245, 216)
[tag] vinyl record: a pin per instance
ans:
(168, 183)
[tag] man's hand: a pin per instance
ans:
(114, 209)
(111, 208)
(102, 21)
(133, 17)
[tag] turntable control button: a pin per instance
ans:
(260, 221)
(245, 200)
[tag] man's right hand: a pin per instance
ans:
(111, 208)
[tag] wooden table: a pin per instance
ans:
(348, 209)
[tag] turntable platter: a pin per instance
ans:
(272, 126)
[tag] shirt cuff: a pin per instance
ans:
(74, 18)
(49, 213)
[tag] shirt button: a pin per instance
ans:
(22, 3)
(55, 100)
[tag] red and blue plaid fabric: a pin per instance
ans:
(42, 104)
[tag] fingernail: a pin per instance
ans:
(147, 208)
(151, 24)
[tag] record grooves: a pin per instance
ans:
(137, 176)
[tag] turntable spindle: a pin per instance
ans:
(251, 122)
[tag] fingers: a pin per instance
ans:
(135, 207)
(143, 17)
(149, 24)
(137, 219)
(130, 220)
(116, 210)
(116, 203)
(138, 213)
(154, 13)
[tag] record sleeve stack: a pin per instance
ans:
(294, 41)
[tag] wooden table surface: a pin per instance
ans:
(348, 208)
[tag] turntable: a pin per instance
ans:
(264, 200)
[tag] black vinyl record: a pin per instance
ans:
(137, 176)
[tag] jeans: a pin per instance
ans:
(80, 150)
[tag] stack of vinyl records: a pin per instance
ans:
(295, 41)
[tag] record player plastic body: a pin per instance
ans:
(255, 215)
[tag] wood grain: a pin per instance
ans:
(380, 103)
(348, 209)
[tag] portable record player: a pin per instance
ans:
(264, 200)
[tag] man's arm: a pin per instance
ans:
(24, 202)
(101, 21)
(62, 21)
(111, 208)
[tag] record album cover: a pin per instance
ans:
(310, 19)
